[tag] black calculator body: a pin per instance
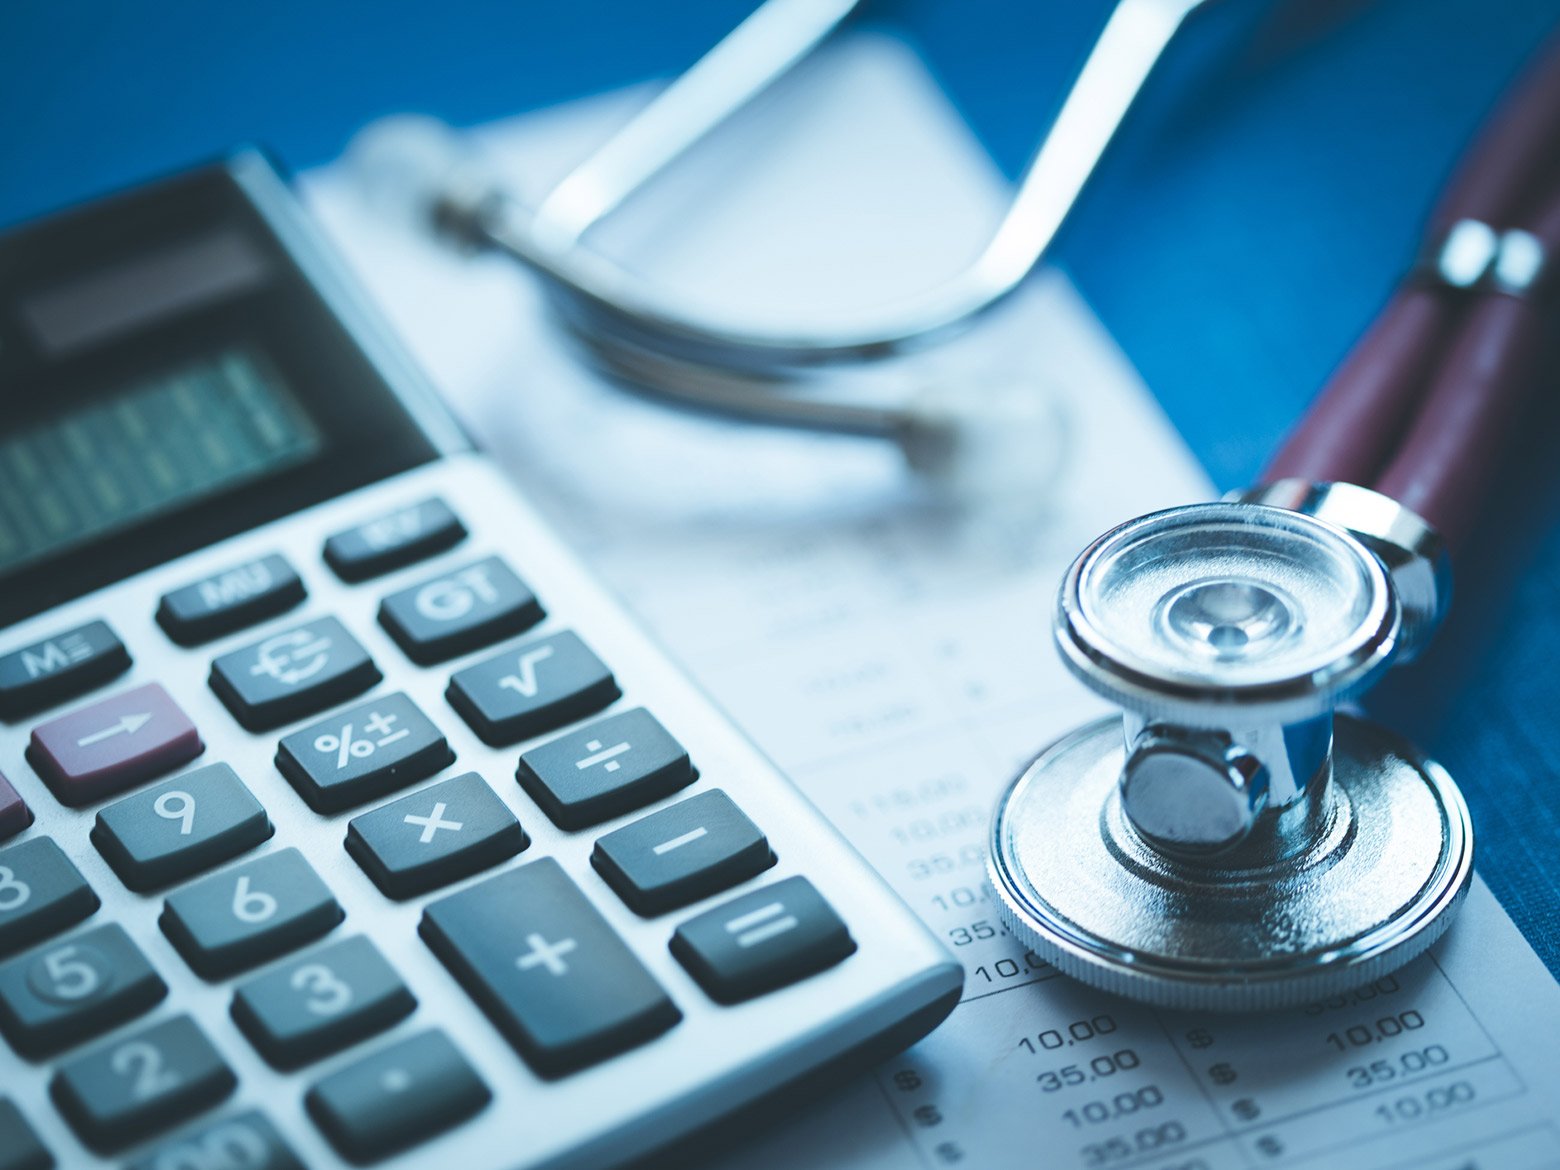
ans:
(344, 817)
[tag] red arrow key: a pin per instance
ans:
(113, 744)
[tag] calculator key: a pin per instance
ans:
(70, 663)
(244, 1141)
(230, 600)
(14, 813)
(762, 941)
(181, 827)
(249, 913)
(293, 674)
(435, 836)
(134, 1086)
(607, 768)
(404, 1094)
(74, 989)
(394, 539)
(546, 967)
(681, 854)
(113, 744)
(460, 611)
(20, 1148)
(362, 753)
(532, 688)
(321, 1002)
(41, 893)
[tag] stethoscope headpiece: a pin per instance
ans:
(1222, 613)
(1229, 840)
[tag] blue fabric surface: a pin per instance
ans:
(1247, 226)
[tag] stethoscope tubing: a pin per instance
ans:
(1422, 407)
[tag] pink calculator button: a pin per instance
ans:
(14, 813)
(113, 744)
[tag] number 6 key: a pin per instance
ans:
(249, 913)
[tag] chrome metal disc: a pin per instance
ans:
(1375, 884)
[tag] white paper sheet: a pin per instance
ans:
(897, 663)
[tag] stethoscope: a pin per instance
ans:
(646, 341)
(1234, 839)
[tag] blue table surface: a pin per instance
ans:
(1252, 218)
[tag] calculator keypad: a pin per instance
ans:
(399, 1096)
(682, 854)
(61, 667)
(113, 744)
(293, 674)
(533, 688)
(605, 769)
(180, 828)
(41, 893)
(230, 600)
(437, 835)
(249, 913)
(362, 753)
(549, 971)
(461, 610)
(526, 941)
(321, 1002)
(14, 813)
(76, 988)
(20, 1148)
(244, 1141)
(139, 1084)
(762, 941)
(397, 538)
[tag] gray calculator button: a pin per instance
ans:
(14, 813)
(435, 836)
(762, 941)
(41, 893)
(458, 611)
(321, 1002)
(181, 827)
(292, 674)
(399, 1096)
(681, 854)
(548, 970)
(605, 769)
(136, 1085)
(73, 989)
(249, 913)
(60, 667)
(237, 597)
(394, 539)
(532, 688)
(244, 1141)
(362, 753)
(20, 1148)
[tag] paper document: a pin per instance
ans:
(897, 663)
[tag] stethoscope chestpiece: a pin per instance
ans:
(1230, 841)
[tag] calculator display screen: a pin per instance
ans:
(179, 364)
(157, 444)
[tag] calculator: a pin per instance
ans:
(344, 818)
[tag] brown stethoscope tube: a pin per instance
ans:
(1422, 406)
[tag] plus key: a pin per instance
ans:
(533, 952)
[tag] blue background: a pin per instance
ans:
(1257, 210)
